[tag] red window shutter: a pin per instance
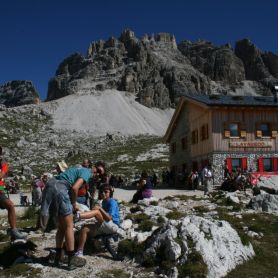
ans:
(229, 164)
(275, 163)
(261, 164)
(244, 163)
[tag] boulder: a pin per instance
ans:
(264, 202)
(216, 241)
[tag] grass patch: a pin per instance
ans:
(264, 264)
(154, 203)
(175, 215)
(111, 273)
(146, 225)
(195, 266)
(201, 209)
(21, 270)
(160, 220)
(135, 209)
(130, 248)
(30, 213)
(137, 218)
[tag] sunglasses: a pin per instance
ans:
(106, 191)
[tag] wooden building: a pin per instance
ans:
(232, 131)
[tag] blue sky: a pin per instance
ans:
(37, 35)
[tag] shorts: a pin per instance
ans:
(56, 199)
(3, 197)
(106, 228)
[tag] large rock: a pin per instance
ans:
(269, 184)
(216, 241)
(18, 92)
(265, 202)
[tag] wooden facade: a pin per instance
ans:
(206, 130)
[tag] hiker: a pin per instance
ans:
(207, 179)
(38, 185)
(83, 194)
(193, 180)
(144, 189)
(61, 167)
(56, 202)
(155, 180)
(108, 220)
(6, 203)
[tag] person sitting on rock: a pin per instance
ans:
(144, 189)
(108, 220)
(6, 203)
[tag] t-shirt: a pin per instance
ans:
(111, 207)
(71, 175)
(4, 169)
(38, 183)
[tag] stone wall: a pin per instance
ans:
(218, 162)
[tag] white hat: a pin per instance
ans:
(62, 165)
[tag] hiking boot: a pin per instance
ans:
(75, 262)
(58, 257)
(15, 234)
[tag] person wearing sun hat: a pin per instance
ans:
(61, 167)
(56, 202)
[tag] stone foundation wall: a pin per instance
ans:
(218, 162)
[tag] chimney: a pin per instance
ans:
(275, 93)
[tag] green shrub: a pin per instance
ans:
(154, 203)
(135, 209)
(30, 213)
(201, 209)
(130, 248)
(175, 215)
(146, 225)
(160, 220)
(194, 267)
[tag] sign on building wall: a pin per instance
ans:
(250, 144)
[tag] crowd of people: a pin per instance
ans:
(72, 194)
(237, 179)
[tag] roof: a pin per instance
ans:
(218, 100)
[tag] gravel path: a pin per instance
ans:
(120, 194)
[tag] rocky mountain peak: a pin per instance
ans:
(158, 70)
(18, 92)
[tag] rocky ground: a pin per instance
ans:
(181, 233)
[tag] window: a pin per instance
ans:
(194, 136)
(173, 147)
(234, 130)
(184, 143)
(235, 163)
(204, 132)
(265, 130)
(267, 164)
